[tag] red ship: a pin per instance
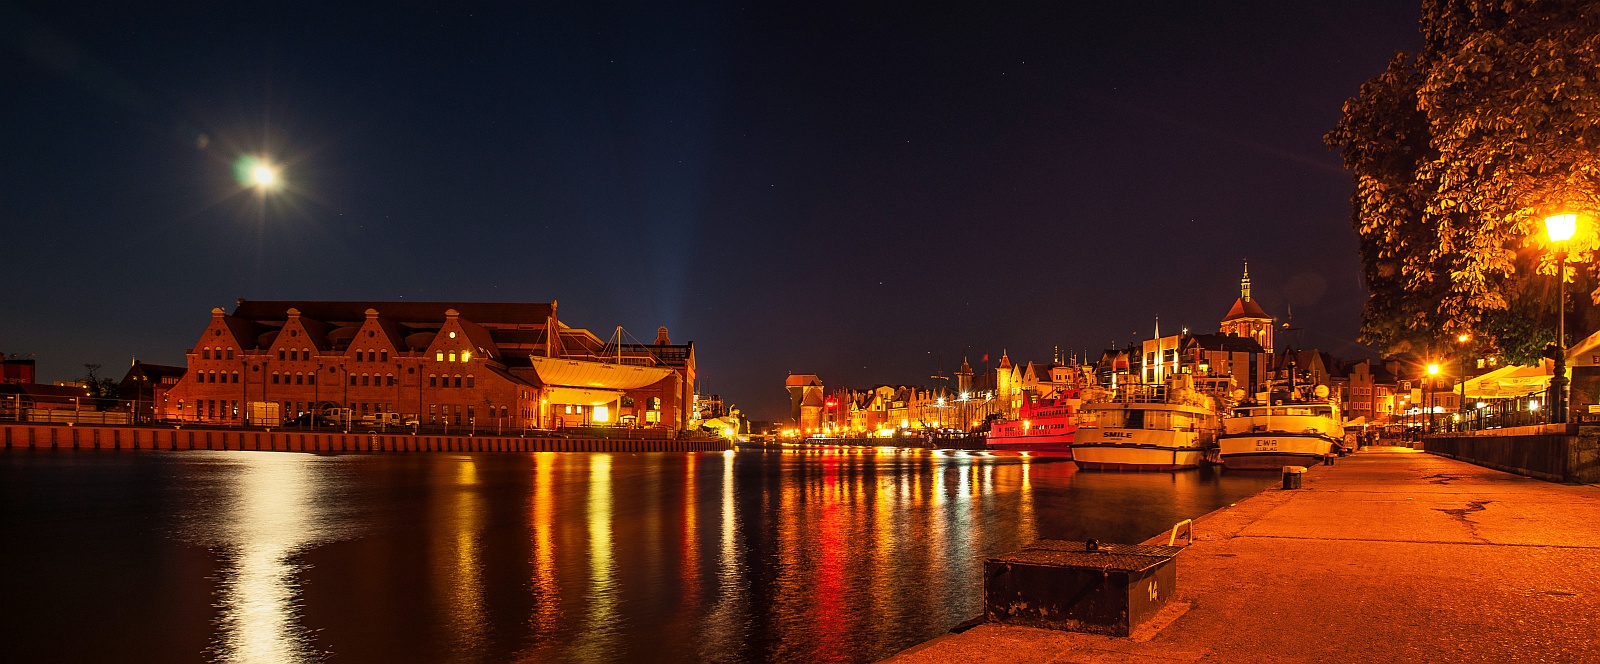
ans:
(1041, 426)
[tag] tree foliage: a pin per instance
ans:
(1458, 153)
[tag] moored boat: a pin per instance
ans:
(1300, 430)
(1042, 426)
(1147, 428)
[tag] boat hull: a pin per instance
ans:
(1055, 444)
(1272, 450)
(1130, 458)
(1118, 448)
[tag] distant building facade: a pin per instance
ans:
(506, 365)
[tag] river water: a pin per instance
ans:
(829, 554)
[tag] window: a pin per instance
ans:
(502, 412)
(383, 356)
(280, 354)
(433, 380)
(371, 334)
(235, 377)
(438, 356)
(206, 354)
(452, 357)
(274, 378)
(294, 333)
(458, 380)
(389, 379)
(230, 353)
(470, 415)
(469, 380)
(311, 379)
(299, 378)
(365, 380)
(466, 355)
(433, 413)
(352, 379)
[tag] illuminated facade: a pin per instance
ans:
(1246, 318)
(481, 364)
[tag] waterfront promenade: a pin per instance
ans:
(1393, 555)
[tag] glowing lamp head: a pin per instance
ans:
(1560, 227)
(1433, 369)
(1463, 337)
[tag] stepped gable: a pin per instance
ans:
(410, 314)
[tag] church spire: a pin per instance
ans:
(1244, 284)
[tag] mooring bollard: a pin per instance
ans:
(1292, 476)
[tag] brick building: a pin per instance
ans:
(484, 364)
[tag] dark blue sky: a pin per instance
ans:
(828, 189)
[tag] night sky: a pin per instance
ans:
(830, 189)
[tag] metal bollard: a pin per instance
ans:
(1292, 476)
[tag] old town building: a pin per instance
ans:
(480, 364)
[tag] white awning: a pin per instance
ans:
(1509, 381)
(581, 396)
(558, 372)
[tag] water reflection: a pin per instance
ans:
(458, 547)
(272, 510)
(794, 555)
(598, 641)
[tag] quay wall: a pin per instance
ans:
(1555, 457)
(94, 437)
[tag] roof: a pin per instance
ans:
(157, 370)
(1227, 342)
(1243, 308)
(490, 313)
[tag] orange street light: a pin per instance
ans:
(1433, 369)
(1560, 228)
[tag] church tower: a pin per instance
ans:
(1246, 318)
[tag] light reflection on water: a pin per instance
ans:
(847, 554)
(270, 512)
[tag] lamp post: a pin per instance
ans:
(1463, 339)
(1560, 228)
(1433, 379)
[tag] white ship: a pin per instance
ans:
(1147, 427)
(1301, 430)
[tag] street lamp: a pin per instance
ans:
(1560, 228)
(1433, 376)
(1463, 339)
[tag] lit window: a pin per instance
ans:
(452, 357)
(439, 356)
(452, 335)
(466, 355)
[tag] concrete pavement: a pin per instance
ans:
(1392, 555)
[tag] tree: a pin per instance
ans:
(1458, 153)
(95, 386)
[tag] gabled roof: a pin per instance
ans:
(486, 313)
(1243, 308)
(157, 370)
(244, 331)
(1227, 342)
